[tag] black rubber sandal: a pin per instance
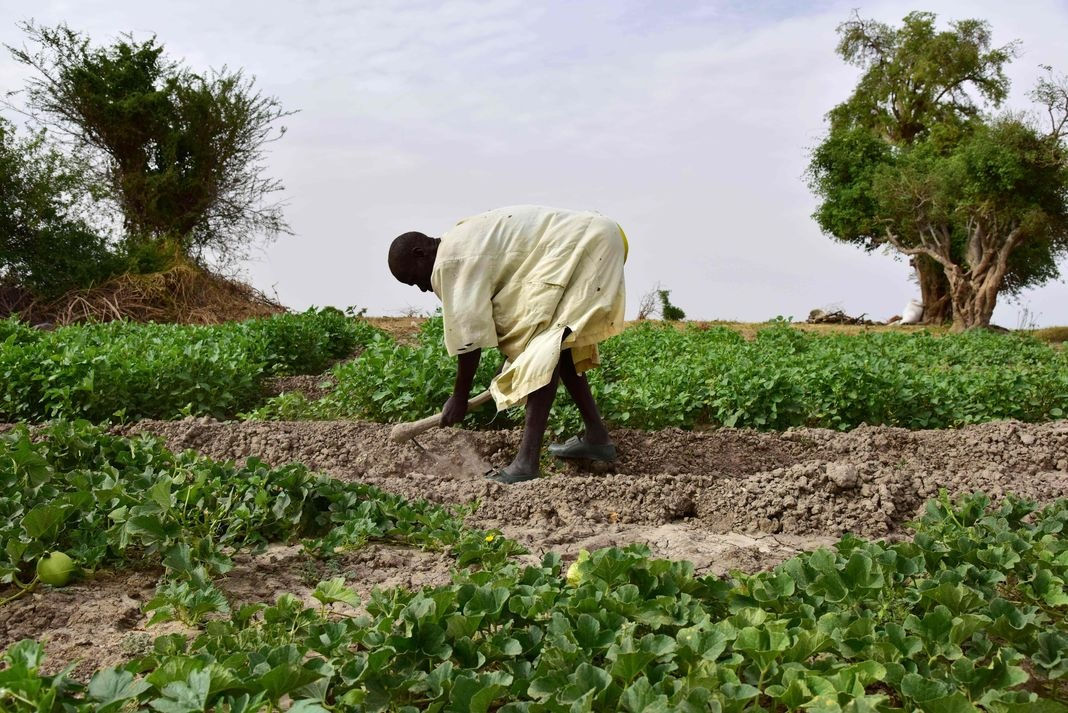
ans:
(507, 477)
(575, 447)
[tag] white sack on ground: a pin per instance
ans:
(913, 313)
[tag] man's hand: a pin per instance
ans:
(454, 411)
(456, 407)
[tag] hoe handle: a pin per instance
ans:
(406, 431)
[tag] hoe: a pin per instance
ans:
(408, 431)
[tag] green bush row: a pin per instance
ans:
(656, 376)
(968, 617)
(126, 370)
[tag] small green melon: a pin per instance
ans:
(55, 568)
(574, 574)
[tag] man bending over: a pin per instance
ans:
(544, 286)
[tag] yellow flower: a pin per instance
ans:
(489, 538)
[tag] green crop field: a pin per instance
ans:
(967, 613)
(210, 503)
(652, 376)
(657, 376)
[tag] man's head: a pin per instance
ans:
(411, 259)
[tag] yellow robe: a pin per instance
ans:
(516, 278)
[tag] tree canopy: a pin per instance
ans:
(180, 153)
(44, 243)
(916, 77)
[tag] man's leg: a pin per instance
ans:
(526, 463)
(579, 388)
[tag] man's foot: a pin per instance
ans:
(577, 447)
(511, 474)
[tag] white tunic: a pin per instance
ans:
(516, 278)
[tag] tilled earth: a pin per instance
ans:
(801, 482)
(723, 499)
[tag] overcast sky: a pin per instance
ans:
(688, 122)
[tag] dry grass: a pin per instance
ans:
(749, 329)
(1053, 335)
(405, 329)
(184, 293)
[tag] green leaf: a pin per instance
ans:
(639, 697)
(739, 691)
(25, 656)
(114, 686)
(586, 679)
(334, 590)
(921, 688)
(286, 678)
(588, 633)
(42, 520)
(1042, 705)
(1051, 653)
(954, 703)
(471, 695)
(486, 601)
(151, 530)
(189, 696)
(627, 665)
(160, 493)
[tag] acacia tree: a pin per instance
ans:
(915, 78)
(976, 199)
(179, 153)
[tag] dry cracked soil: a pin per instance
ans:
(724, 499)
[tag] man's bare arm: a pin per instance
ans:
(456, 407)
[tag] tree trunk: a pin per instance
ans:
(934, 291)
(973, 300)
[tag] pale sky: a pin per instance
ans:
(687, 122)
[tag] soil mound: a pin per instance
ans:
(869, 481)
(183, 293)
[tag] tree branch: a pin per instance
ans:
(923, 250)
